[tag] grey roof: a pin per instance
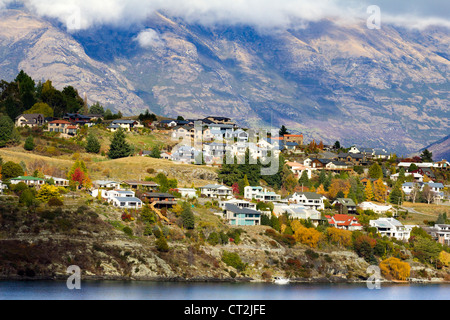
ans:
(346, 202)
(310, 195)
(31, 116)
(235, 209)
(213, 186)
(128, 199)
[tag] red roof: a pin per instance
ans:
(343, 220)
(59, 122)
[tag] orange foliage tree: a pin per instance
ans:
(308, 236)
(394, 268)
(379, 191)
(339, 185)
(340, 237)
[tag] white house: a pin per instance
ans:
(310, 200)
(127, 202)
(2, 186)
(297, 211)
(29, 181)
(216, 191)
(59, 182)
(260, 194)
(106, 184)
(298, 169)
(392, 228)
(377, 208)
(344, 222)
(188, 193)
(441, 233)
(112, 194)
(417, 176)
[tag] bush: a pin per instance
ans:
(55, 202)
(26, 198)
(161, 245)
(395, 268)
(233, 260)
(214, 239)
(128, 231)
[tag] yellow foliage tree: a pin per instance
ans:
(379, 191)
(308, 236)
(339, 185)
(396, 269)
(444, 257)
(340, 237)
(368, 191)
(48, 192)
(321, 190)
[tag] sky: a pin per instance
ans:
(261, 14)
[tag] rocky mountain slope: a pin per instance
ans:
(385, 87)
(440, 149)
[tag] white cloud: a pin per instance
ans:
(262, 14)
(149, 38)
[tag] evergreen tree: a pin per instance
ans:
(6, 129)
(304, 180)
(29, 144)
(92, 144)
(119, 146)
(396, 196)
(283, 131)
(426, 156)
(187, 217)
(375, 171)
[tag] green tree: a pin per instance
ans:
(92, 144)
(11, 170)
(27, 198)
(29, 144)
(283, 131)
(41, 108)
(6, 129)
(119, 146)
(304, 180)
(97, 108)
(426, 156)
(396, 195)
(375, 171)
(187, 216)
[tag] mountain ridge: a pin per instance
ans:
(371, 88)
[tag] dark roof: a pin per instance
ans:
(235, 209)
(157, 195)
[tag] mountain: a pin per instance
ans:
(440, 149)
(330, 81)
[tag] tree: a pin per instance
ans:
(6, 129)
(337, 145)
(48, 192)
(119, 146)
(428, 194)
(368, 192)
(283, 131)
(41, 108)
(375, 171)
(92, 144)
(11, 170)
(308, 236)
(415, 191)
(187, 216)
(340, 237)
(78, 175)
(27, 198)
(395, 268)
(380, 191)
(396, 195)
(304, 180)
(97, 108)
(29, 144)
(426, 156)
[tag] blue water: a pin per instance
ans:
(110, 290)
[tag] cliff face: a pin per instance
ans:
(385, 87)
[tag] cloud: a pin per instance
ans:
(149, 38)
(262, 14)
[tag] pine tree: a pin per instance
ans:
(119, 146)
(92, 144)
(396, 196)
(375, 171)
(304, 180)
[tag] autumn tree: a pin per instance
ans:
(379, 191)
(78, 175)
(48, 192)
(307, 236)
(368, 191)
(394, 268)
(340, 237)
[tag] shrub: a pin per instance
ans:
(128, 231)
(161, 245)
(311, 254)
(214, 239)
(395, 268)
(26, 198)
(233, 260)
(55, 202)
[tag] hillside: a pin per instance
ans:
(440, 149)
(386, 88)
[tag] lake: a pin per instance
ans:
(111, 290)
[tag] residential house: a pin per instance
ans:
(159, 200)
(126, 125)
(443, 165)
(106, 184)
(345, 206)
(185, 154)
(77, 119)
(416, 176)
(310, 200)
(168, 123)
(344, 222)
(2, 187)
(260, 194)
(59, 182)
(65, 128)
(299, 212)
(377, 208)
(166, 155)
(216, 191)
(296, 138)
(218, 120)
(298, 169)
(337, 166)
(238, 216)
(29, 181)
(238, 202)
(30, 120)
(183, 132)
(354, 150)
(127, 203)
(381, 154)
(356, 159)
(319, 164)
(145, 185)
(392, 228)
(189, 193)
(110, 195)
(440, 232)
